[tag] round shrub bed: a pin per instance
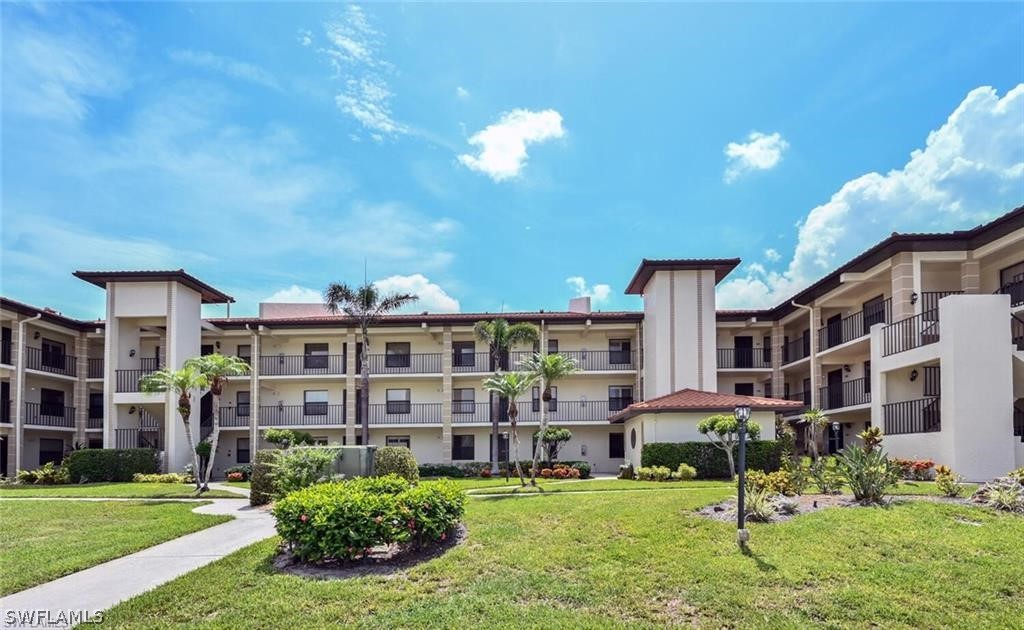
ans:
(345, 521)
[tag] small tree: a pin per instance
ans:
(548, 369)
(552, 438)
(180, 383)
(511, 385)
(815, 422)
(216, 368)
(723, 431)
(285, 438)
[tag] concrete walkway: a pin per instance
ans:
(102, 586)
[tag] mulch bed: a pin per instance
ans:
(807, 503)
(384, 561)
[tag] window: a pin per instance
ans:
(502, 447)
(319, 441)
(768, 389)
(397, 440)
(616, 446)
(95, 442)
(206, 349)
(552, 404)
(766, 350)
(807, 391)
(785, 391)
(399, 401)
(95, 405)
(314, 402)
(315, 356)
(464, 353)
(359, 440)
(397, 354)
(50, 450)
(242, 451)
(743, 389)
(620, 351)
(619, 397)
(867, 377)
(463, 400)
(874, 312)
(462, 447)
(244, 353)
(632, 438)
(242, 403)
(552, 346)
(53, 354)
(51, 402)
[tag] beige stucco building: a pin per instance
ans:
(922, 334)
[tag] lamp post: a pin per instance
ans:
(504, 436)
(742, 414)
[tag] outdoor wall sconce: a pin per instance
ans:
(131, 410)
(913, 298)
(583, 450)
(216, 344)
(835, 427)
(35, 335)
(846, 368)
(913, 375)
(131, 352)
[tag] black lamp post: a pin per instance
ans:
(742, 414)
(504, 436)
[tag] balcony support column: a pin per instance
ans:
(902, 286)
(81, 390)
(351, 349)
(970, 277)
(18, 390)
(638, 362)
(815, 362)
(255, 351)
(778, 380)
(446, 396)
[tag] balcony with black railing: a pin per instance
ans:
(854, 326)
(235, 416)
(49, 415)
(930, 301)
(95, 418)
(1017, 331)
(137, 437)
(1015, 290)
(744, 358)
(912, 416)
(402, 412)
(912, 332)
(95, 368)
(568, 411)
(405, 363)
(473, 362)
(469, 412)
(127, 381)
(53, 362)
(5, 352)
(848, 394)
(803, 397)
(799, 348)
(587, 360)
(302, 364)
(308, 414)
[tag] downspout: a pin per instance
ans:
(815, 403)
(19, 394)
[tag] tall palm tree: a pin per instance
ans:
(815, 421)
(181, 383)
(548, 369)
(499, 336)
(511, 385)
(364, 304)
(216, 368)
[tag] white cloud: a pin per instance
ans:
(225, 65)
(761, 152)
(353, 50)
(305, 37)
(970, 170)
(432, 298)
(597, 293)
(772, 255)
(296, 295)
(503, 144)
(461, 92)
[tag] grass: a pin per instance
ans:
(645, 560)
(238, 484)
(44, 540)
(606, 485)
(127, 490)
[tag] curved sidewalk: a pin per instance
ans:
(102, 586)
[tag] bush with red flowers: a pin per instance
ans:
(236, 476)
(914, 469)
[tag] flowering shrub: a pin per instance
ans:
(778, 482)
(161, 478)
(915, 469)
(546, 472)
(653, 473)
(244, 469)
(485, 473)
(949, 484)
(345, 520)
(563, 471)
(236, 476)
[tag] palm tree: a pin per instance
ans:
(364, 304)
(216, 368)
(548, 369)
(511, 385)
(816, 421)
(181, 383)
(499, 336)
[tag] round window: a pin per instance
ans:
(632, 438)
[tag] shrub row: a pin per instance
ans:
(482, 469)
(160, 478)
(709, 460)
(344, 520)
(113, 464)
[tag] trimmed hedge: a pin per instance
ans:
(396, 460)
(473, 469)
(709, 460)
(261, 488)
(110, 464)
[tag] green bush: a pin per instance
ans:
(760, 506)
(244, 469)
(396, 460)
(302, 466)
(344, 520)
(685, 472)
(110, 464)
(709, 461)
(626, 471)
(778, 482)
(949, 483)
(49, 474)
(826, 475)
(261, 490)
(441, 470)
(285, 438)
(160, 478)
(868, 472)
(653, 473)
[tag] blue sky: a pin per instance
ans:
(494, 157)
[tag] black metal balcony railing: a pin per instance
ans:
(744, 358)
(1018, 420)
(801, 397)
(415, 363)
(932, 380)
(128, 380)
(468, 411)
(569, 411)
(912, 416)
(402, 412)
(912, 332)
(235, 416)
(1015, 290)
(854, 326)
(312, 414)
(137, 437)
(1017, 331)
(799, 348)
(49, 415)
(302, 364)
(94, 422)
(472, 362)
(850, 393)
(50, 361)
(586, 360)
(95, 368)
(930, 301)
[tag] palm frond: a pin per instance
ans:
(510, 385)
(338, 296)
(522, 333)
(550, 367)
(484, 331)
(394, 301)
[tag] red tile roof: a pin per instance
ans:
(432, 318)
(697, 400)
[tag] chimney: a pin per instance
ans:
(580, 305)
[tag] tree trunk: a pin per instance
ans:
(195, 455)
(543, 425)
(513, 413)
(812, 441)
(732, 464)
(495, 408)
(364, 374)
(214, 437)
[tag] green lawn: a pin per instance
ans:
(43, 540)
(237, 484)
(115, 491)
(604, 485)
(641, 559)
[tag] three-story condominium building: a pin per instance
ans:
(922, 335)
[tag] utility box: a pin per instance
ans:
(356, 461)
